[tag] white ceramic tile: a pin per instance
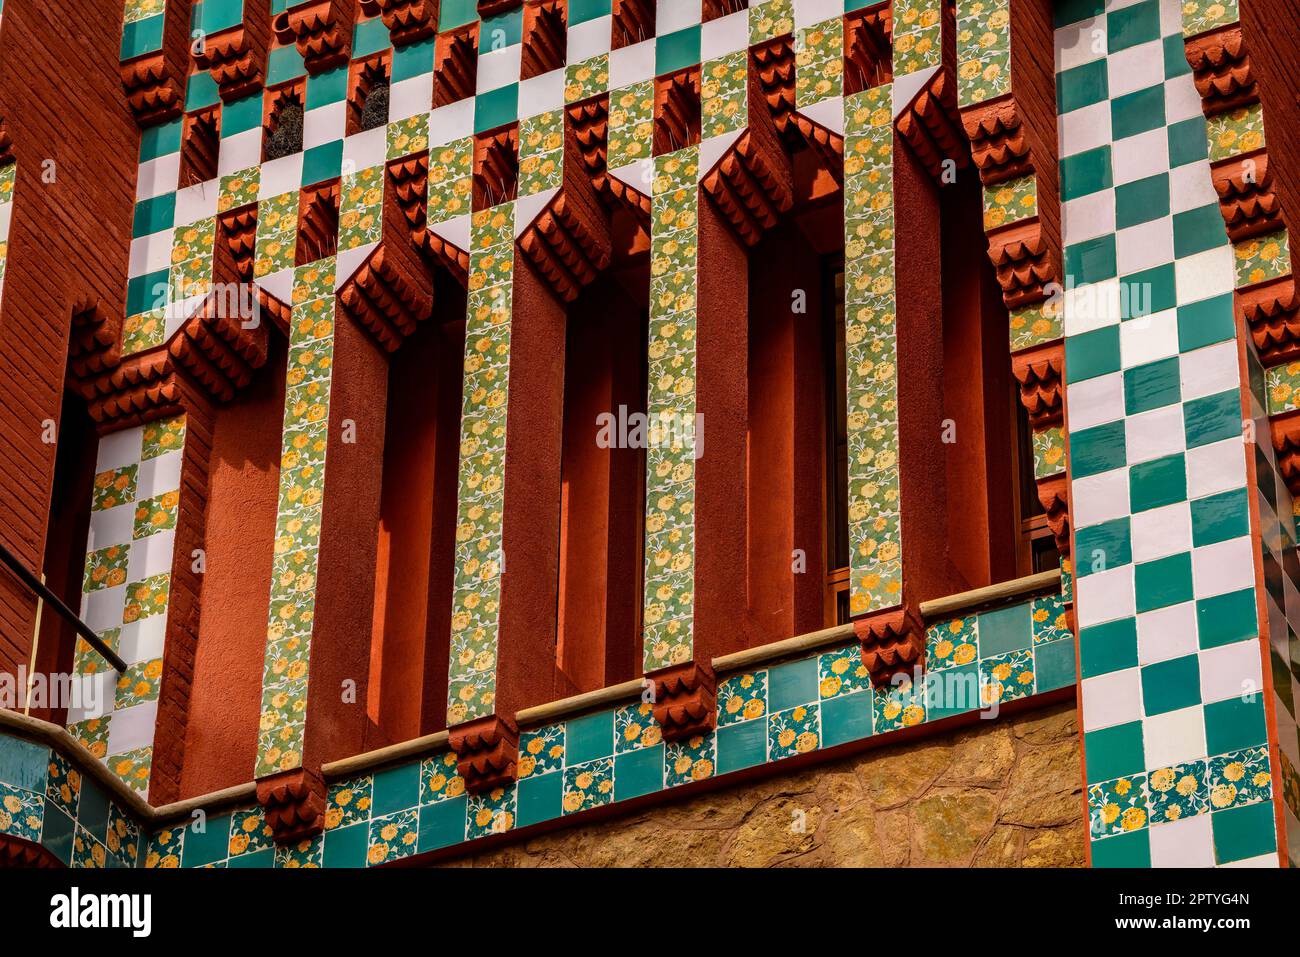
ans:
(1111, 699)
(1166, 633)
(1159, 532)
(1148, 338)
(1231, 671)
(1174, 737)
(1185, 843)
(1150, 435)
(1100, 498)
(1223, 567)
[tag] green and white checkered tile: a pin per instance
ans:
(1173, 711)
(142, 27)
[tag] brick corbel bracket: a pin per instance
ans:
(753, 183)
(155, 82)
(490, 8)
(321, 29)
(16, 852)
(1286, 443)
(1053, 493)
(685, 699)
(1039, 374)
(1272, 311)
(569, 242)
(487, 752)
(407, 20)
(932, 127)
(236, 56)
(294, 804)
(892, 643)
(408, 184)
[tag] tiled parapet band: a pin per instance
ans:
(8, 175)
(1174, 697)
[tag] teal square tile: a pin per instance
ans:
(639, 772)
(264, 858)
(1108, 647)
(92, 812)
(322, 162)
(57, 832)
(1091, 261)
(1005, 629)
(1224, 619)
(442, 824)
(1164, 582)
(1054, 664)
(1085, 173)
(1114, 752)
(1205, 323)
(145, 292)
(846, 718)
(1129, 26)
(1098, 449)
(1212, 418)
(1217, 518)
(1137, 112)
(1161, 481)
(1197, 230)
(346, 846)
(1244, 832)
(1151, 386)
(241, 115)
(539, 798)
(1187, 140)
(201, 91)
(141, 37)
(414, 59)
(1123, 850)
(952, 691)
(1171, 685)
(215, 15)
(1102, 547)
(742, 745)
(1081, 86)
(1141, 201)
(676, 51)
(370, 36)
(1094, 353)
(1065, 12)
(589, 738)
(580, 11)
(160, 140)
(154, 215)
(23, 764)
(792, 684)
(1234, 724)
(285, 63)
(501, 30)
(1175, 56)
(456, 13)
(498, 107)
(1146, 292)
(396, 789)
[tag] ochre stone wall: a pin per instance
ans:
(1000, 794)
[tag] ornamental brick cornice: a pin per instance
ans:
(685, 699)
(1025, 262)
(487, 752)
(1221, 69)
(1286, 443)
(998, 140)
(1272, 311)
(931, 125)
(407, 20)
(95, 341)
(1247, 200)
(321, 30)
(389, 294)
(235, 56)
(773, 66)
(152, 92)
(1039, 373)
(1053, 494)
(294, 804)
(408, 184)
(892, 643)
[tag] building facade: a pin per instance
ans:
(649, 432)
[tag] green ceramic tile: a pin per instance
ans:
(951, 691)
(142, 36)
(23, 764)
(792, 684)
(56, 835)
(154, 215)
(346, 846)
(1187, 140)
(322, 162)
(1171, 685)
(580, 11)
(539, 798)
(456, 13)
(1108, 647)
(241, 115)
(142, 292)
(1092, 353)
(160, 140)
(1234, 724)
(1141, 201)
(1123, 850)
(1205, 323)
(92, 811)
(1129, 26)
(1065, 12)
(370, 36)
(1166, 581)
(639, 772)
(201, 91)
(1197, 230)
(1218, 518)
(1224, 619)
(1054, 664)
(1175, 56)
(676, 51)
(414, 59)
(1212, 418)
(396, 789)
(1161, 481)
(1091, 261)
(497, 107)
(215, 15)
(1099, 548)
(1006, 629)
(846, 718)
(1114, 752)
(1081, 86)
(1244, 832)
(1137, 112)
(742, 745)
(257, 859)
(442, 824)
(589, 738)
(285, 63)
(502, 30)
(1085, 173)
(1151, 386)
(1098, 449)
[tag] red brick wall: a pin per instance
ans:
(61, 100)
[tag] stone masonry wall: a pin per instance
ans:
(1003, 793)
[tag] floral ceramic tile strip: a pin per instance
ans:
(361, 208)
(451, 179)
(917, 26)
(668, 610)
(7, 175)
(1202, 15)
(631, 124)
(541, 152)
(126, 588)
(819, 63)
(298, 519)
(771, 19)
(191, 263)
(277, 234)
(476, 603)
(875, 542)
(724, 105)
(983, 50)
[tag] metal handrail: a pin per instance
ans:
(34, 584)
